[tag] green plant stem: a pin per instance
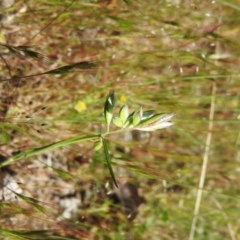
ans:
(108, 160)
(117, 131)
(31, 152)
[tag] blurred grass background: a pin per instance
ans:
(162, 55)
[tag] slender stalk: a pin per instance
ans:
(64, 10)
(204, 165)
(31, 152)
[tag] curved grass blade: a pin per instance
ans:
(36, 234)
(63, 174)
(35, 151)
(108, 160)
(59, 70)
(84, 65)
(127, 2)
(67, 68)
(32, 201)
(24, 52)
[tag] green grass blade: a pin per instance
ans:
(34, 202)
(31, 152)
(108, 160)
(127, 2)
(67, 68)
(229, 4)
(37, 234)
(63, 174)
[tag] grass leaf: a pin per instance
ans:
(63, 174)
(34, 202)
(67, 68)
(37, 235)
(35, 151)
(108, 160)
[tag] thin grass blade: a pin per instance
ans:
(35, 151)
(67, 68)
(108, 160)
(34, 202)
(37, 234)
